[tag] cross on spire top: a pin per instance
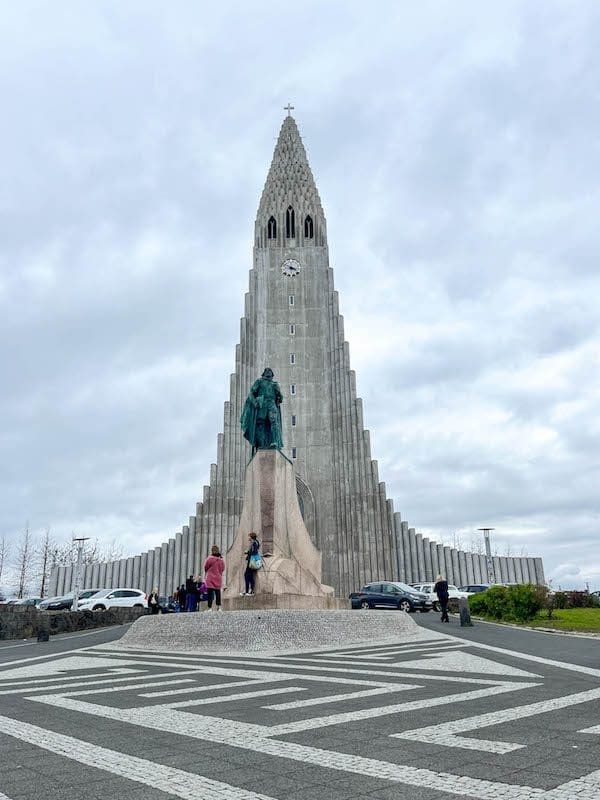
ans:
(289, 108)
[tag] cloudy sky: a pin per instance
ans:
(456, 150)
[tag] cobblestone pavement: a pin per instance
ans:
(437, 718)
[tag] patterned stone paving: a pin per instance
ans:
(437, 717)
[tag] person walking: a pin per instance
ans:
(253, 562)
(153, 603)
(441, 589)
(190, 594)
(214, 566)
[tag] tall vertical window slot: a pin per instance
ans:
(292, 388)
(292, 329)
(309, 229)
(272, 228)
(292, 358)
(290, 223)
(293, 420)
(294, 452)
(291, 300)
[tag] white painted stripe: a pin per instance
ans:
(537, 659)
(226, 698)
(253, 737)
(148, 684)
(396, 708)
(585, 788)
(450, 733)
(4, 797)
(190, 689)
(332, 698)
(237, 670)
(594, 729)
(10, 683)
(174, 782)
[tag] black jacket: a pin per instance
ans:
(441, 589)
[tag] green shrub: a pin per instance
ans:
(518, 603)
(579, 600)
(560, 599)
(525, 600)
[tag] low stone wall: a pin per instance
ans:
(23, 622)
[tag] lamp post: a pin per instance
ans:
(491, 574)
(77, 586)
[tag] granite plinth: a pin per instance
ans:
(268, 631)
(257, 602)
(291, 562)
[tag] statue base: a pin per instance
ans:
(264, 602)
(291, 562)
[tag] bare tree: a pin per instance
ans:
(25, 552)
(45, 560)
(4, 551)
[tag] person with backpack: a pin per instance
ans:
(253, 563)
(214, 567)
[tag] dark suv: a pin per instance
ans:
(390, 594)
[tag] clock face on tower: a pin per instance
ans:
(290, 267)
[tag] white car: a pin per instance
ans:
(427, 588)
(115, 598)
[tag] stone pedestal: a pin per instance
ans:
(291, 568)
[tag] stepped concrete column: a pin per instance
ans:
(414, 563)
(420, 557)
(435, 564)
(462, 568)
(428, 564)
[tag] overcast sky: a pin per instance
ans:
(456, 150)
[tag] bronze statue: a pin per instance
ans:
(261, 417)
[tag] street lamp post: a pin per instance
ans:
(77, 586)
(491, 573)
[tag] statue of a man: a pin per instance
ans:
(261, 417)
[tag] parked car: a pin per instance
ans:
(454, 594)
(65, 602)
(29, 601)
(474, 588)
(390, 594)
(58, 603)
(115, 598)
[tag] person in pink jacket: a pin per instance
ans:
(214, 567)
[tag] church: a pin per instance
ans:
(292, 324)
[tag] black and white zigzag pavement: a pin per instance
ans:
(439, 718)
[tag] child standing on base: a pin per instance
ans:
(214, 566)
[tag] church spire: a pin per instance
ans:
(290, 207)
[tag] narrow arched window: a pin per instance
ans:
(290, 223)
(272, 228)
(308, 228)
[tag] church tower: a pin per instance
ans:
(292, 324)
(299, 333)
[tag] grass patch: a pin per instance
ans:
(569, 619)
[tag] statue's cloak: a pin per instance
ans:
(256, 407)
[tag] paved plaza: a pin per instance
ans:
(439, 716)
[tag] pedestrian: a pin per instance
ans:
(153, 602)
(253, 562)
(214, 566)
(181, 597)
(441, 589)
(190, 594)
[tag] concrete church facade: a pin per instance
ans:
(292, 324)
